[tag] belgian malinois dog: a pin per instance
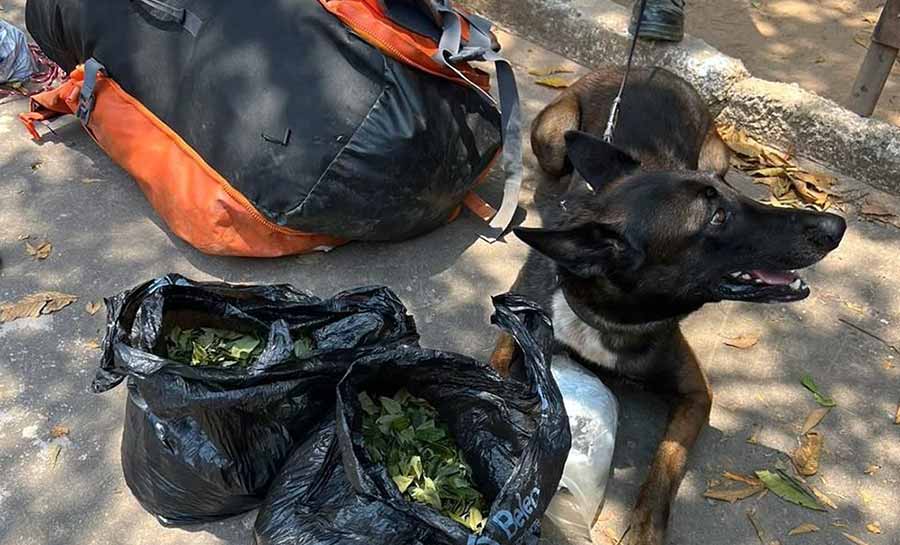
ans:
(646, 232)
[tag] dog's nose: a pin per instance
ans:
(826, 230)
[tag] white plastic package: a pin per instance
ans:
(16, 62)
(593, 418)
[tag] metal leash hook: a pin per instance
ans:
(613, 118)
(614, 111)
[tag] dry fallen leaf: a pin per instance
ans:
(888, 363)
(872, 469)
(806, 457)
(808, 192)
(34, 305)
(865, 496)
(863, 38)
(807, 528)
(554, 82)
(22, 237)
(825, 500)
(549, 71)
(774, 157)
(59, 431)
(742, 143)
(790, 185)
(743, 342)
(93, 307)
(814, 418)
(731, 495)
(752, 481)
(819, 182)
(839, 523)
(768, 172)
(93, 344)
(896, 416)
(854, 539)
(41, 251)
(873, 527)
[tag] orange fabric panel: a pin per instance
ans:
(366, 18)
(196, 202)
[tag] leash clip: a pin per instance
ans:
(613, 118)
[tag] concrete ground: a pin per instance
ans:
(819, 45)
(106, 238)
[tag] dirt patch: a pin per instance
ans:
(819, 44)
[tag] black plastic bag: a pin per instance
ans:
(203, 443)
(513, 433)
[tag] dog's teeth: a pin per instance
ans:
(736, 274)
(746, 276)
(797, 284)
(757, 281)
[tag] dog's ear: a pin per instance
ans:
(588, 251)
(597, 161)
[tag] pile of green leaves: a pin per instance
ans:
(207, 346)
(404, 434)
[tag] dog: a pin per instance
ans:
(646, 232)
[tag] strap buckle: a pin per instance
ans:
(86, 98)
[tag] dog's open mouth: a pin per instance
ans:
(763, 286)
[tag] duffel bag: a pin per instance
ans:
(274, 128)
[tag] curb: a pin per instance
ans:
(592, 32)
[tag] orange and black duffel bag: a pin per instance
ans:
(274, 128)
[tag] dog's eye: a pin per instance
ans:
(719, 217)
(711, 193)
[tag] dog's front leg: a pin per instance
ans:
(504, 352)
(689, 414)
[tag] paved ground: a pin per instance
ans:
(106, 238)
(819, 45)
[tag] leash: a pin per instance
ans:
(614, 112)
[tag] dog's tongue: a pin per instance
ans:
(776, 278)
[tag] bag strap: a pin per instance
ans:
(86, 97)
(451, 50)
(165, 13)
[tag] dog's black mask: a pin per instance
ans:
(651, 245)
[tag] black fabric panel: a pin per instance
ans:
(56, 26)
(410, 17)
(301, 70)
(416, 142)
(418, 152)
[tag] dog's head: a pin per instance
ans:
(652, 245)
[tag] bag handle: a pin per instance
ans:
(166, 13)
(480, 47)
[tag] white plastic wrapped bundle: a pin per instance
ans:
(593, 418)
(16, 63)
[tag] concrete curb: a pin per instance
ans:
(593, 32)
